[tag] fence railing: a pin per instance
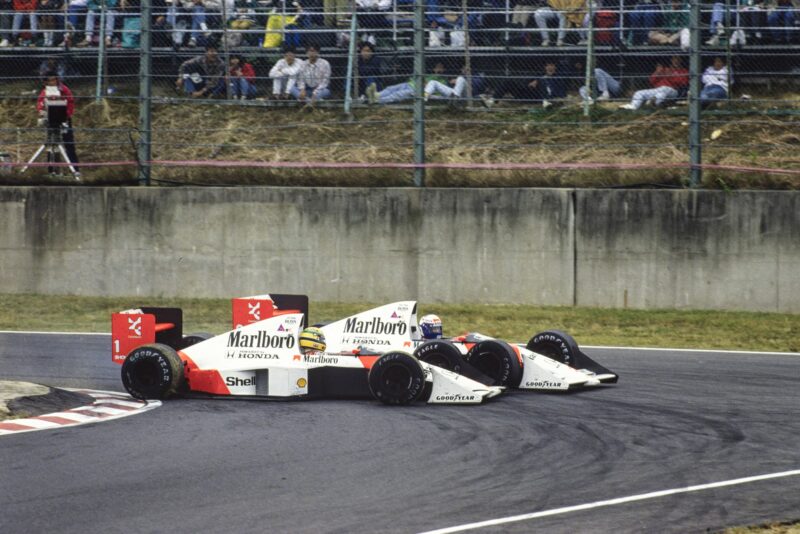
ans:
(523, 92)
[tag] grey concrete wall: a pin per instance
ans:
(541, 246)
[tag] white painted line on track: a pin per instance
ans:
(56, 333)
(610, 502)
(721, 351)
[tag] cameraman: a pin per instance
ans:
(67, 135)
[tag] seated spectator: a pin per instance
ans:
(545, 89)
(716, 80)
(6, 16)
(92, 15)
(402, 91)
(524, 10)
(605, 84)
(666, 83)
(372, 69)
(436, 88)
(23, 8)
(284, 74)
(52, 66)
(50, 19)
(202, 76)
(675, 28)
(644, 18)
(446, 20)
(313, 82)
(242, 79)
(780, 19)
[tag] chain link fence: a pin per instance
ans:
(507, 92)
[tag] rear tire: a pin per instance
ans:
(497, 360)
(556, 345)
(440, 353)
(396, 378)
(152, 372)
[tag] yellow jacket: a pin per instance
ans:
(575, 10)
(273, 36)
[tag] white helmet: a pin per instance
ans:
(431, 327)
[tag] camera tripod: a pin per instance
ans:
(54, 145)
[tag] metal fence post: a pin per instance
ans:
(419, 88)
(145, 92)
(695, 139)
(101, 53)
(589, 59)
(350, 86)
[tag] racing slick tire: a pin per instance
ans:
(556, 345)
(152, 371)
(497, 360)
(194, 339)
(396, 378)
(440, 353)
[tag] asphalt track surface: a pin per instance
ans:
(675, 419)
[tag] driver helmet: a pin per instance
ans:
(431, 327)
(312, 339)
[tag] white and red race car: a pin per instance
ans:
(261, 357)
(551, 360)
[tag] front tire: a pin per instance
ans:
(440, 353)
(556, 345)
(497, 360)
(194, 339)
(152, 371)
(396, 378)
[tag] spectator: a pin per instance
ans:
(284, 74)
(675, 28)
(716, 80)
(550, 86)
(202, 76)
(274, 33)
(242, 79)
(76, 18)
(523, 10)
(606, 85)
(402, 91)
(459, 86)
(371, 15)
(644, 18)
(372, 69)
(67, 133)
(6, 7)
(546, 15)
(314, 79)
(21, 8)
(50, 19)
(666, 83)
(50, 66)
(781, 18)
(91, 15)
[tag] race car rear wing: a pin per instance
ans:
(140, 326)
(248, 310)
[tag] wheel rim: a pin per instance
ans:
(396, 380)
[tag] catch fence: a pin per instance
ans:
(449, 92)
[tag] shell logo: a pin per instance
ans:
(302, 382)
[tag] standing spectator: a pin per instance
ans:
(372, 69)
(67, 133)
(202, 76)
(76, 18)
(314, 79)
(716, 80)
(6, 6)
(91, 16)
(544, 16)
(242, 79)
(21, 8)
(284, 74)
(781, 19)
(50, 19)
(666, 83)
(606, 85)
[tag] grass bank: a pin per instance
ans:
(590, 326)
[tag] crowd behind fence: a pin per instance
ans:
(525, 84)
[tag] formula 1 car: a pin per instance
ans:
(550, 360)
(262, 358)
